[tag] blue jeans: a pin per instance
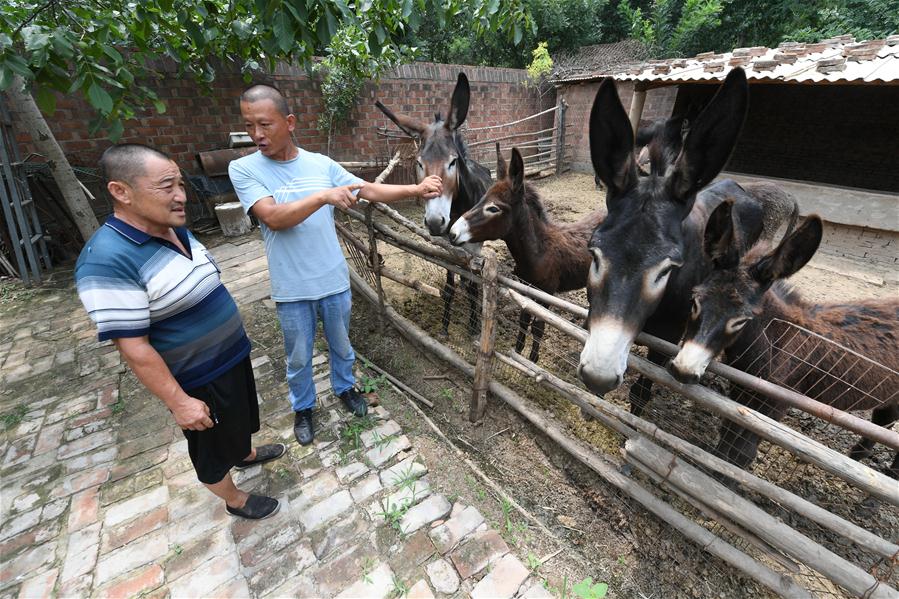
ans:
(298, 322)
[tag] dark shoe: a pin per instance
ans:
(354, 402)
(256, 508)
(302, 426)
(264, 453)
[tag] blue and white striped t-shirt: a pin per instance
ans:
(133, 284)
(305, 261)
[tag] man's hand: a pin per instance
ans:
(342, 197)
(193, 415)
(430, 187)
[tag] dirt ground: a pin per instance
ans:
(603, 536)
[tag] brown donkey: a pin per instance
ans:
(744, 309)
(551, 256)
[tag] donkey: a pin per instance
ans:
(552, 257)
(647, 253)
(442, 152)
(742, 309)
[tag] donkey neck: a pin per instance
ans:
(470, 188)
(527, 239)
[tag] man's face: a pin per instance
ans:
(269, 129)
(157, 197)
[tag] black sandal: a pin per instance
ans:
(257, 507)
(264, 453)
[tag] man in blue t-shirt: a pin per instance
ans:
(155, 291)
(293, 193)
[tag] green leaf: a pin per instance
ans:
(46, 99)
(114, 130)
(516, 31)
(6, 78)
(112, 53)
(283, 30)
(99, 98)
(159, 105)
(18, 65)
(332, 22)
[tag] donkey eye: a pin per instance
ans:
(735, 324)
(452, 163)
(492, 209)
(694, 314)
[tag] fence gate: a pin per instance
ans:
(26, 238)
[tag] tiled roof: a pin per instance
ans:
(835, 60)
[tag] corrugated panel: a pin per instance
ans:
(874, 62)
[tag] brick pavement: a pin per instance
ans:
(99, 498)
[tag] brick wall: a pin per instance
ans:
(836, 134)
(579, 96)
(196, 122)
(876, 247)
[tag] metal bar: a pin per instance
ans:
(511, 136)
(527, 118)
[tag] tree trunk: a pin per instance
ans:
(45, 143)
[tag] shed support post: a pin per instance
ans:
(560, 140)
(637, 101)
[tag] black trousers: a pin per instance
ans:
(234, 409)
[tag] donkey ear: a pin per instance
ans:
(516, 172)
(411, 127)
(459, 104)
(711, 139)
(793, 252)
(612, 142)
(719, 241)
(501, 169)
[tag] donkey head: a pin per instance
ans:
(641, 242)
(441, 152)
(731, 296)
(495, 215)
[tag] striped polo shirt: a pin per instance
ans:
(133, 285)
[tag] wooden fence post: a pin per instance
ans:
(484, 365)
(560, 144)
(374, 260)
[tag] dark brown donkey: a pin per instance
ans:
(647, 253)
(551, 256)
(744, 309)
(442, 152)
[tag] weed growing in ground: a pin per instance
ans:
(368, 565)
(118, 407)
(407, 478)
(533, 563)
(370, 385)
(12, 418)
(506, 506)
(585, 589)
(400, 589)
(447, 394)
(383, 441)
(352, 432)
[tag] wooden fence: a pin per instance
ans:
(768, 529)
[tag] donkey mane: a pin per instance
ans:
(535, 202)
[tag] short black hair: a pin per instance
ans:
(125, 162)
(264, 91)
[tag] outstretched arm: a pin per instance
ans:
(283, 216)
(430, 187)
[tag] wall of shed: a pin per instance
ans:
(579, 96)
(835, 134)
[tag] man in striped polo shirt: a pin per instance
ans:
(155, 291)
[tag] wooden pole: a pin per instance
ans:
(809, 450)
(637, 101)
(374, 260)
(613, 416)
(780, 584)
(560, 145)
(484, 364)
(745, 513)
